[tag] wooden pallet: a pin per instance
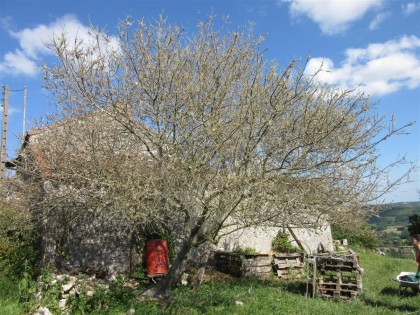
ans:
(343, 285)
(337, 276)
(289, 266)
(337, 264)
(229, 263)
(239, 265)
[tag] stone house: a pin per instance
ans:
(92, 241)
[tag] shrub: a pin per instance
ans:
(357, 234)
(414, 226)
(19, 242)
(282, 244)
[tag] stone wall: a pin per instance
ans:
(90, 243)
(93, 244)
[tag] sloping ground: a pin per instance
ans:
(222, 294)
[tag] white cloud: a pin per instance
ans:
(26, 59)
(410, 8)
(11, 110)
(333, 16)
(378, 69)
(17, 63)
(378, 20)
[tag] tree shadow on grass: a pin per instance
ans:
(400, 308)
(296, 287)
(389, 291)
(394, 292)
(404, 292)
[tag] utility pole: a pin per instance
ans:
(24, 114)
(3, 153)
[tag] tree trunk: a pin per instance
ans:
(298, 242)
(161, 288)
(198, 279)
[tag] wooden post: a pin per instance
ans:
(3, 152)
(314, 270)
(24, 114)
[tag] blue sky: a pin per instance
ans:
(373, 45)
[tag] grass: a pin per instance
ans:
(393, 229)
(9, 297)
(252, 296)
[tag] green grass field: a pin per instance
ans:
(392, 229)
(252, 296)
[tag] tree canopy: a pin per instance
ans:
(199, 134)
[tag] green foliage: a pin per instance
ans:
(282, 244)
(84, 304)
(27, 289)
(414, 226)
(396, 223)
(272, 296)
(9, 297)
(396, 253)
(245, 251)
(405, 235)
(399, 216)
(396, 214)
(361, 234)
(19, 242)
(140, 271)
(393, 239)
(115, 299)
(50, 292)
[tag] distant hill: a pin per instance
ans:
(396, 214)
(391, 223)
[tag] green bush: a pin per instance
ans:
(19, 242)
(414, 224)
(282, 244)
(360, 234)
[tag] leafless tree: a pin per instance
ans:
(198, 133)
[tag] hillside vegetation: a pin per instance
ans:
(391, 223)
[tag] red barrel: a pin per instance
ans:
(157, 257)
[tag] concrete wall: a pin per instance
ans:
(261, 238)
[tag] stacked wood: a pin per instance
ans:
(230, 263)
(338, 262)
(336, 276)
(289, 266)
(257, 264)
(339, 285)
(243, 265)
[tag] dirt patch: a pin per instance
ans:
(212, 275)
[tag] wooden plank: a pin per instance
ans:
(289, 265)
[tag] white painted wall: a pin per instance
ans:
(261, 238)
